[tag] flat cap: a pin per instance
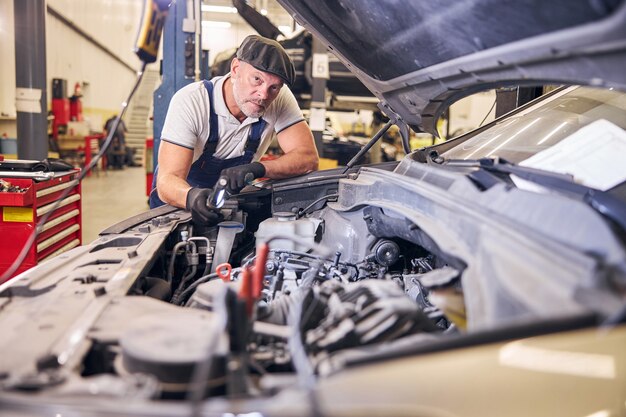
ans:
(267, 55)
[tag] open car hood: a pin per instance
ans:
(419, 57)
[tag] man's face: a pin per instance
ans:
(254, 90)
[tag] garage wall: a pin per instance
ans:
(7, 59)
(113, 23)
(104, 81)
(468, 113)
(217, 40)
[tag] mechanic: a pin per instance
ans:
(219, 127)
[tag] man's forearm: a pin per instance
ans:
(173, 190)
(291, 164)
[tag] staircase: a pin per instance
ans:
(137, 122)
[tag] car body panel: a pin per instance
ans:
(502, 236)
(453, 49)
(582, 372)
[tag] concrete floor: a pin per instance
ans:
(111, 196)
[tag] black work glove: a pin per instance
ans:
(201, 214)
(241, 175)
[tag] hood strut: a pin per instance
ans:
(367, 147)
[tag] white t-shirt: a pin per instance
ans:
(187, 121)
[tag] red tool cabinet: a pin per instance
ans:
(20, 213)
(149, 164)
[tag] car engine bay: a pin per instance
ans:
(371, 293)
(287, 290)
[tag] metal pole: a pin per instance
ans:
(30, 79)
(177, 69)
(318, 93)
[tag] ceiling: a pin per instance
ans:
(275, 13)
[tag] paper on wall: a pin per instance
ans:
(28, 100)
(317, 119)
(594, 156)
(320, 66)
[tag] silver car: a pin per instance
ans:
(482, 276)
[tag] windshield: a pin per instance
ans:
(544, 124)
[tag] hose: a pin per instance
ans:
(170, 269)
(192, 270)
(192, 287)
(177, 294)
(209, 252)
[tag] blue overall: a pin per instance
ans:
(205, 171)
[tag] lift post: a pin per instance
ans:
(181, 35)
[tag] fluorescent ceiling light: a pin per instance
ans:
(549, 135)
(217, 9)
(285, 29)
(215, 24)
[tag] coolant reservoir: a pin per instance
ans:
(300, 233)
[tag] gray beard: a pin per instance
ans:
(242, 104)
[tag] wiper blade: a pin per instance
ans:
(603, 202)
(502, 166)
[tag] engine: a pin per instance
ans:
(294, 294)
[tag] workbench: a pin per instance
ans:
(89, 145)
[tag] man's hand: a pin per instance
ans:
(200, 212)
(241, 175)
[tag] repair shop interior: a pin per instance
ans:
(312, 208)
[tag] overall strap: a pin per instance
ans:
(254, 139)
(211, 144)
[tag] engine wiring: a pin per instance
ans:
(185, 293)
(488, 112)
(301, 363)
(202, 369)
(335, 260)
(303, 367)
(296, 286)
(305, 210)
(206, 278)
